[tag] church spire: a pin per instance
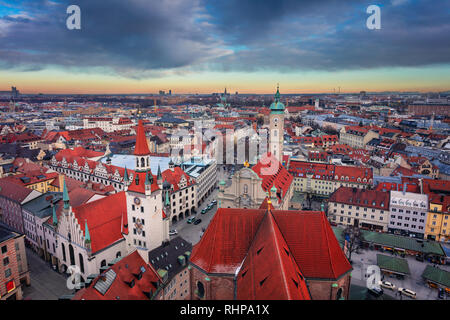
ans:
(141, 148)
(87, 236)
(66, 196)
(55, 218)
(125, 176)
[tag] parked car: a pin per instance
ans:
(214, 202)
(375, 292)
(407, 292)
(203, 211)
(173, 232)
(191, 220)
(419, 258)
(198, 221)
(387, 285)
(441, 293)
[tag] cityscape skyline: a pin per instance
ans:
(245, 46)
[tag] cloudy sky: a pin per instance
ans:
(201, 46)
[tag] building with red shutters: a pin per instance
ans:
(269, 255)
(249, 186)
(13, 264)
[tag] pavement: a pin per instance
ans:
(191, 232)
(414, 281)
(46, 284)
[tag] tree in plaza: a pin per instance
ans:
(353, 239)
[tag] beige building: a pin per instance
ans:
(250, 186)
(367, 209)
(356, 137)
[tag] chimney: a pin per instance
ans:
(421, 185)
(404, 188)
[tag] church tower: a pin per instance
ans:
(276, 119)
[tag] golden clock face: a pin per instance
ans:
(137, 201)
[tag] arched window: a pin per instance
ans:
(63, 248)
(148, 164)
(71, 255)
(245, 188)
(339, 294)
(142, 162)
(80, 257)
(118, 254)
(200, 289)
(137, 163)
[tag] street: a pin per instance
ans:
(46, 284)
(191, 232)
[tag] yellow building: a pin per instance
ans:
(438, 218)
(41, 182)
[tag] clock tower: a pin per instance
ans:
(276, 134)
(148, 226)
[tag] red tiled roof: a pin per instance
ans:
(281, 279)
(141, 148)
(353, 173)
(307, 234)
(13, 191)
(361, 197)
(80, 152)
(273, 173)
(140, 188)
(174, 177)
(104, 219)
(126, 270)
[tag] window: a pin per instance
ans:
(7, 273)
(4, 249)
(200, 289)
(6, 261)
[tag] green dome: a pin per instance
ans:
(277, 106)
(273, 189)
(222, 183)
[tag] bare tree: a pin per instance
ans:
(353, 239)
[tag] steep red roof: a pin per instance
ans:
(281, 279)
(225, 242)
(13, 191)
(104, 219)
(126, 270)
(307, 234)
(80, 152)
(273, 173)
(313, 244)
(141, 148)
(174, 177)
(140, 187)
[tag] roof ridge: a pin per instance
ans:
(274, 226)
(328, 241)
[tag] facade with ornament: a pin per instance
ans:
(96, 233)
(268, 178)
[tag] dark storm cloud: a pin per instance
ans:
(332, 35)
(141, 38)
(131, 37)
